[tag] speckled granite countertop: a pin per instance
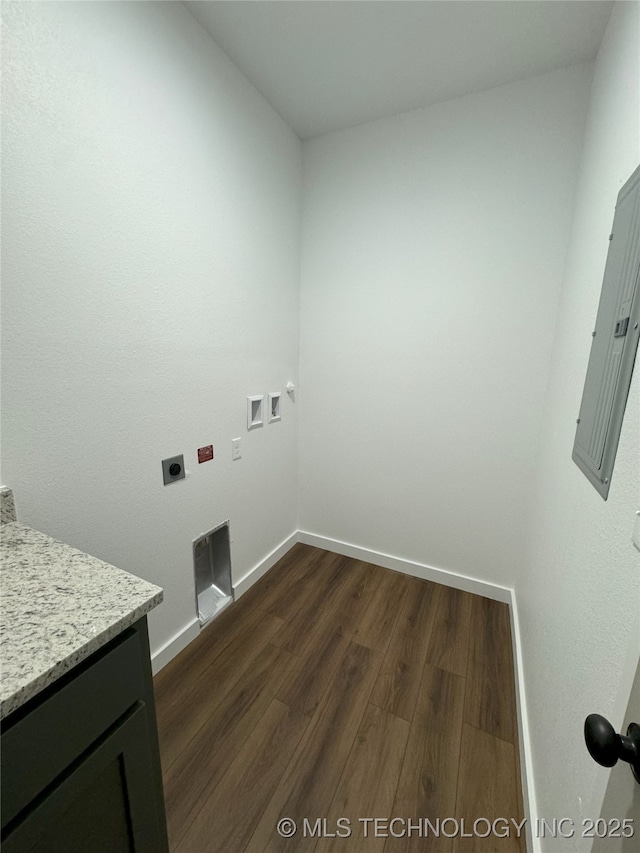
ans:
(58, 606)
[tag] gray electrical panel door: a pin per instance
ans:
(614, 346)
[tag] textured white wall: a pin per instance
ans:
(579, 591)
(150, 282)
(150, 271)
(433, 251)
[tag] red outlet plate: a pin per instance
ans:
(205, 453)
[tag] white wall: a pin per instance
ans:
(150, 282)
(579, 590)
(433, 250)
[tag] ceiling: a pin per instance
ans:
(329, 64)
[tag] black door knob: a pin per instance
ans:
(606, 746)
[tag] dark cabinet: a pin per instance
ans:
(80, 762)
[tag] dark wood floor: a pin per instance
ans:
(337, 689)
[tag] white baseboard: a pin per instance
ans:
(526, 767)
(174, 646)
(418, 570)
(264, 565)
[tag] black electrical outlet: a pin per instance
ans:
(173, 469)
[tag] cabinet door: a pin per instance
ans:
(101, 802)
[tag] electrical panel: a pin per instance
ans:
(614, 346)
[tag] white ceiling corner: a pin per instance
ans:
(328, 64)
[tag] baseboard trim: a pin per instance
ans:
(526, 774)
(264, 565)
(174, 646)
(418, 570)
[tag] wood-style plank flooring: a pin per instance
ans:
(338, 691)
